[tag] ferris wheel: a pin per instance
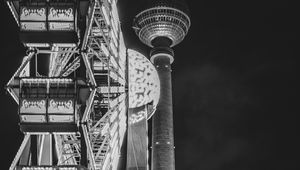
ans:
(72, 113)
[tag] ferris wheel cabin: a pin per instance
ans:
(45, 22)
(49, 105)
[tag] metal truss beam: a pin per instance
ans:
(21, 67)
(89, 69)
(112, 60)
(19, 153)
(17, 74)
(71, 67)
(60, 56)
(90, 22)
(58, 50)
(68, 149)
(105, 117)
(13, 11)
(106, 63)
(88, 106)
(89, 147)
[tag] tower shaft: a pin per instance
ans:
(161, 26)
(163, 155)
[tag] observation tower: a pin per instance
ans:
(161, 26)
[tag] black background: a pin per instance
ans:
(234, 85)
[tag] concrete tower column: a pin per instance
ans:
(163, 154)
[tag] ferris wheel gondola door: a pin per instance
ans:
(32, 108)
(62, 23)
(61, 102)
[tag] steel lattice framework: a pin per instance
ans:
(102, 123)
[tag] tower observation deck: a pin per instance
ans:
(161, 26)
(73, 112)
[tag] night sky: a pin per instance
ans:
(234, 85)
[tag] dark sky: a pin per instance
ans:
(234, 85)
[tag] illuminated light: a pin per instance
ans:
(115, 157)
(113, 48)
(121, 107)
(113, 129)
(113, 116)
(115, 11)
(112, 89)
(113, 75)
(98, 65)
(59, 26)
(37, 45)
(115, 15)
(144, 84)
(122, 112)
(99, 32)
(106, 161)
(122, 135)
(106, 14)
(113, 62)
(34, 80)
(50, 168)
(64, 133)
(58, 14)
(33, 118)
(136, 117)
(45, 80)
(122, 48)
(121, 81)
(123, 116)
(61, 118)
(26, 70)
(114, 37)
(115, 150)
(114, 140)
(64, 45)
(33, 106)
(32, 14)
(104, 49)
(161, 21)
(162, 54)
(114, 31)
(122, 125)
(105, 128)
(115, 101)
(60, 106)
(33, 26)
